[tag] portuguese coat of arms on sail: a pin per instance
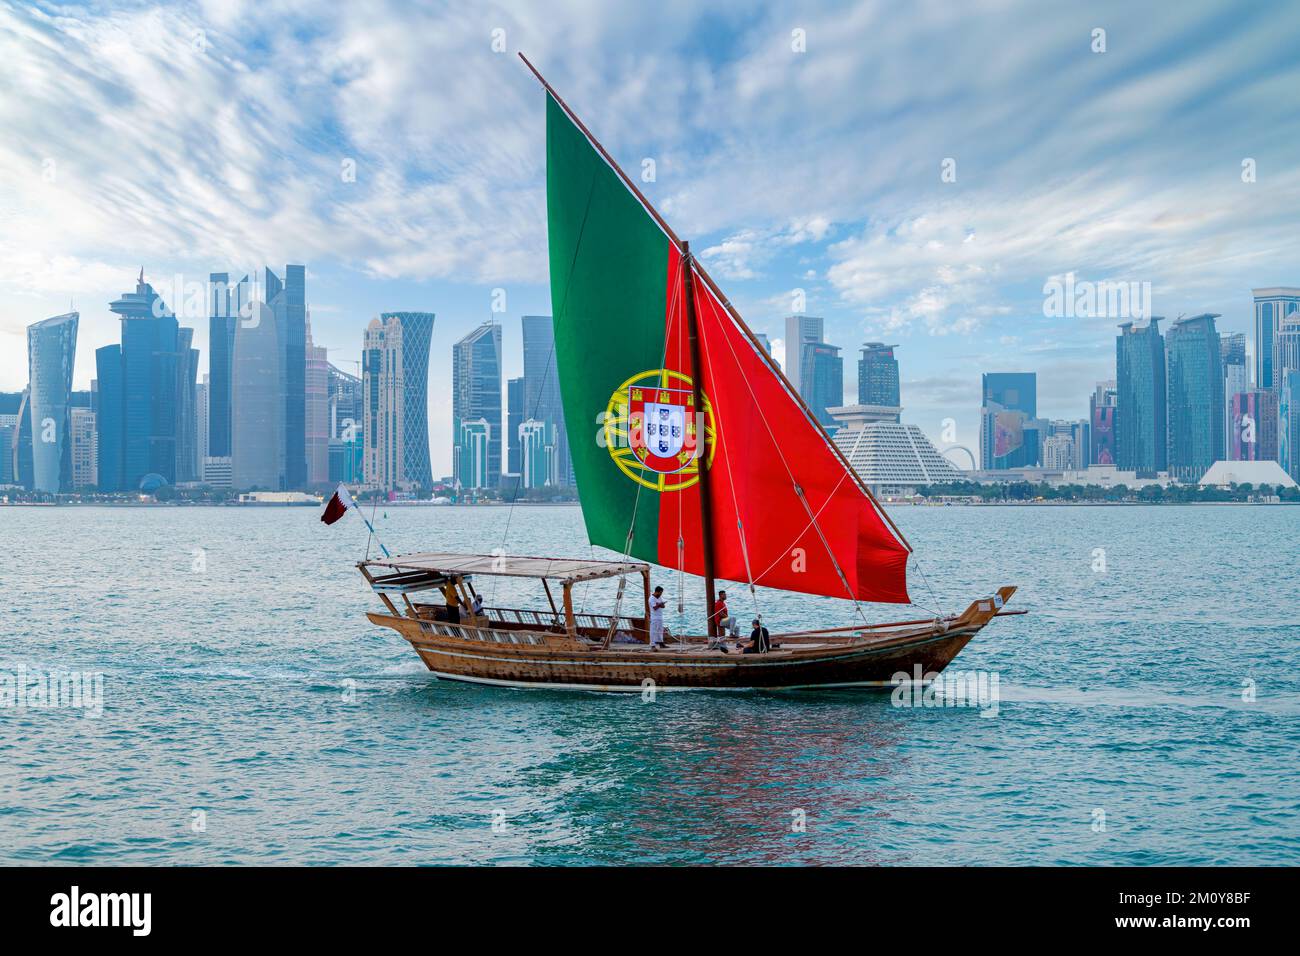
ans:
(651, 430)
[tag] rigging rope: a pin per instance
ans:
(731, 478)
(798, 490)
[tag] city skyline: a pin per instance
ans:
(1181, 399)
(848, 200)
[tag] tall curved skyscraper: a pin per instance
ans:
(51, 351)
(417, 335)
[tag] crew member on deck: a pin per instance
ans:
(760, 641)
(726, 624)
(453, 601)
(657, 605)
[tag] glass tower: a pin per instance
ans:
(1141, 402)
(227, 304)
(514, 418)
(542, 389)
(51, 351)
(823, 381)
(257, 404)
(800, 331)
(476, 399)
(1008, 435)
(1195, 407)
(878, 375)
(287, 302)
(139, 402)
(1272, 306)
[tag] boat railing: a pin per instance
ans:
(488, 635)
(526, 616)
(534, 618)
(604, 620)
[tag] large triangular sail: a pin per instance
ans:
(787, 511)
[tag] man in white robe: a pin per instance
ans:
(657, 605)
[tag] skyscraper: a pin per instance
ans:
(51, 351)
(476, 398)
(227, 305)
(11, 404)
(1101, 420)
(537, 454)
(514, 418)
(395, 376)
(542, 389)
(417, 335)
(316, 410)
(287, 302)
(1141, 443)
(1288, 416)
(878, 375)
(187, 407)
(139, 404)
(1058, 453)
(381, 384)
(1236, 378)
(85, 463)
(473, 450)
(1253, 425)
(1008, 414)
(1079, 434)
(764, 341)
(346, 417)
(1286, 347)
(800, 331)
(1272, 306)
(1195, 406)
(823, 380)
(109, 419)
(257, 403)
(21, 450)
(201, 392)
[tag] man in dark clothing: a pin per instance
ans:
(760, 641)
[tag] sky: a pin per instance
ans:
(917, 173)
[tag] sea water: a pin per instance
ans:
(1148, 706)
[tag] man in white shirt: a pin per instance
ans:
(657, 605)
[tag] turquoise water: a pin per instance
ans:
(252, 715)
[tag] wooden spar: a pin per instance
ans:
(547, 587)
(570, 622)
(701, 437)
(726, 304)
(382, 596)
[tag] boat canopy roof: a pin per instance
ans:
(567, 570)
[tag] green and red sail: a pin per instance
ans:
(787, 513)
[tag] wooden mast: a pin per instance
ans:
(726, 304)
(700, 423)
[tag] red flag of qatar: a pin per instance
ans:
(337, 506)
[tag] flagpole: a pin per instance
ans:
(701, 436)
(373, 533)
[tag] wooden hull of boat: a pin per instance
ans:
(871, 658)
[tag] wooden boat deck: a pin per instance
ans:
(563, 647)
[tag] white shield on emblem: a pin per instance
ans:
(665, 429)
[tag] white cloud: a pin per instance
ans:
(820, 168)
